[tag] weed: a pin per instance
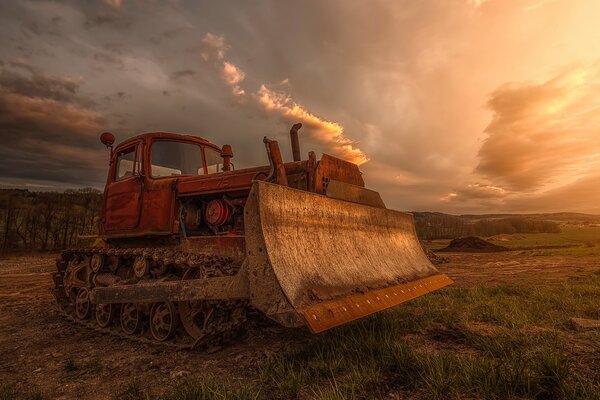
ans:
(133, 391)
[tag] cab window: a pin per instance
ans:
(214, 162)
(126, 164)
(170, 158)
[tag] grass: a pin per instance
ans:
(571, 241)
(484, 343)
(204, 388)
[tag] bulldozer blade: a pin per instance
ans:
(330, 261)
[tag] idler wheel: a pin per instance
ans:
(83, 306)
(105, 314)
(163, 321)
(131, 318)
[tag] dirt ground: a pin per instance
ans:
(39, 349)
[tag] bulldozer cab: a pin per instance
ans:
(139, 192)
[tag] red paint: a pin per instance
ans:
(136, 204)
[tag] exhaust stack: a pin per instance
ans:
(295, 141)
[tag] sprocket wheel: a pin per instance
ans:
(163, 321)
(83, 306)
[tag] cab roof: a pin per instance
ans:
(148, 136)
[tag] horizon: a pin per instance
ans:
(100, 192)
(462, 107)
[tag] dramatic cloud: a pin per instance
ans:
(404, 84)
(47, 128)
(213, 49)
(232, 75)
(546, 133)
(329, 134)
(213, 46)
(476, 191)
(36, 84)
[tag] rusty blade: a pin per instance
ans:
(306, 249)
(329, 314)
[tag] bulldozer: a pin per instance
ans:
(192, 248)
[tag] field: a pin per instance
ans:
(501, 331)
(573, 240)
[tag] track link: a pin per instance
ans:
(174, 265)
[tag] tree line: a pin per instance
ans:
(47, 220)
(443, 226)
(55, 221)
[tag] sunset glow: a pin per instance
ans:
(459, 106)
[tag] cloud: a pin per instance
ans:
(213, 46)
(543, 134)
(45, 115)
(329, 134)
(476, 3)
(579, 196)
(232, 75)
(213, 49)
(186, 73)
(114, 21)
(476, 191)
(35, 83)
(113, 3)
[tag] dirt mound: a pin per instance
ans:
(472, 244)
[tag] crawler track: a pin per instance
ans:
(199, 324)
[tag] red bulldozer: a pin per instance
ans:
(193, 246)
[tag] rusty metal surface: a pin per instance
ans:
(278, 173)
(323, 316)
(333, 168)
(216, 288)
(320, 249)
(356, 194)
(221, 246)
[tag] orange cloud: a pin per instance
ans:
(114, 3)
(475, 191)
(232, 75)
(48, 114)
(543, 135)
(329, 134)
(214, 47)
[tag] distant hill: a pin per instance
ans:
(560, 216)
(437, 225)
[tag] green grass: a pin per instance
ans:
(571, 241)
(569, 236)
(483, 343)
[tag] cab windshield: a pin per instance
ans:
(175, 159)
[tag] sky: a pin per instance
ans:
(459, 106)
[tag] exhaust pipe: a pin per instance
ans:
(295, 141)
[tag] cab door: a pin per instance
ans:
(123, 194)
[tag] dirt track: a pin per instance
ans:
(39, 349)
